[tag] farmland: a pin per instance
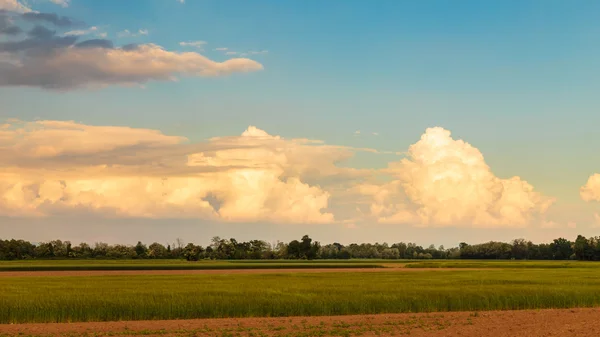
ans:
(66, 265)
(138, 297)
(38, 292)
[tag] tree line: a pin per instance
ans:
(230, 249)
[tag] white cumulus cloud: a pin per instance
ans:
(65, 167)
(446, 182)
(128, 172)
(591, 190)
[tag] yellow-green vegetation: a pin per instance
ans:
(105, 298)
(73, 265)
(500, 264)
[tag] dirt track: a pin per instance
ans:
(530, 323)
(219, 271)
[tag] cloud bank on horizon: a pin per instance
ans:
(41, 50)
(64, 167)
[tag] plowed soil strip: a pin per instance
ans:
(530, 323)
(219, 271)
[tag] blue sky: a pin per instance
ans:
(515, 79)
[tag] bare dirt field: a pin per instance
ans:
(220, 271)
(531, 323)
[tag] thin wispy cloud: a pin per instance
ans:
(231, 52)
(80, 32)
(195, 44)
(127, 33)
(62, 3)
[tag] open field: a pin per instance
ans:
(140, 297)
(500, 264)
(525, 323)
(289, 270)
(81, 265)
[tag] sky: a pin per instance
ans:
(432, 122)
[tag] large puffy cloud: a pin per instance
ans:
(58, 168)
(143, 173)
(446, 182)
(43, 58)
(591, 190)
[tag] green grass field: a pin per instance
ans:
(500, 264)
(104, 298)
(73, 265)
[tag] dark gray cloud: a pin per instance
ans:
(58, 21)
(40, 41)
(6, 25)
(46, 57)
(95, 43)
(130, 46)
(41, 32)
(10, 30)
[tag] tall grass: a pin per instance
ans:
(107, 298)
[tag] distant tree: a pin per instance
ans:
(581, 248)
(141, 249)
(157, 251)
(294, 250)
(520, 249)
(390, 253)
(192, 252)
(561, 249)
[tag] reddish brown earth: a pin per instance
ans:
(221, 271)
(530, 323)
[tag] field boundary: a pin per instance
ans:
(109, 267)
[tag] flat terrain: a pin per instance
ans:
(219, 271)
(299, 298)
(525, 323)
(89, 265)
(225, 294)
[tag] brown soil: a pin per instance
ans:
(530, 323)
(219, 271)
